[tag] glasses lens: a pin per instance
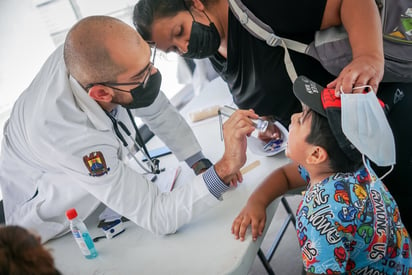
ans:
(152, 46)
(148, 74)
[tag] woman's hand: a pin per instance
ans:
(365, 38)
(363, 70)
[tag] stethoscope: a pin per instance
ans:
(138, 142)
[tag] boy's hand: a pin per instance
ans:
(252, 214)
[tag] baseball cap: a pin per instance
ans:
(324, 102)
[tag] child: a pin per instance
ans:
(347, 221)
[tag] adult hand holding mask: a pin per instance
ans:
(364, 123)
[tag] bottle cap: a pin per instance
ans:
(71, 214)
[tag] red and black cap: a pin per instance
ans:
(324, 102)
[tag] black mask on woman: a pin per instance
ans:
(143, 97)
(204, 40)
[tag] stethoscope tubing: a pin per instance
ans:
(143, 149)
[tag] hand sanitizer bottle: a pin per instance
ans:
(81, 234)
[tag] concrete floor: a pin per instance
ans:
(287, 259)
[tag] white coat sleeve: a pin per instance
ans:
(162, 213)
(165, 121)
(120, 188)
(130, 194)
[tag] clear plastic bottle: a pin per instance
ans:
(81, 234)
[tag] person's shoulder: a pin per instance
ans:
(54, 67)
(57, 57)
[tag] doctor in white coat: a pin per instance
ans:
(60, 149)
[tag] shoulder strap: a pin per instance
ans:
(264, 32)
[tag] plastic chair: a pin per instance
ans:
(290, 218)
(266, 258)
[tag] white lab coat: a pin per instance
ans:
(53, 125)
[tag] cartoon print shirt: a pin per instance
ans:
(347, 222)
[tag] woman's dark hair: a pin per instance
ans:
(321, 134)
(145, 11)
(22, 253)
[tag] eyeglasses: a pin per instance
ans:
(148, 70)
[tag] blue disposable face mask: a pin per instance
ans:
(365, 125)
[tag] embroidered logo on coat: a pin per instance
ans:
(96, 164)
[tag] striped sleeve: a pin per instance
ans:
(215, 185)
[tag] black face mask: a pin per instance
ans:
(204, 41)
(143, 97)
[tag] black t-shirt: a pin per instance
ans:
(255, 72)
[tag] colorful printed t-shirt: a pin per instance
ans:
(350, 223)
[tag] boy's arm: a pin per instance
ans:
(276, 184)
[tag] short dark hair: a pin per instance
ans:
(321, 135)
(22, 253)
(87, 55)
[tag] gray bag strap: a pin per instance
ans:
(264, 32)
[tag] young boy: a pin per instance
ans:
(347, 221)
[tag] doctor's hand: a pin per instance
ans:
(236, 179)
(235, 131)
(363, 70)
(253, 214)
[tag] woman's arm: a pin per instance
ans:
(362, 22)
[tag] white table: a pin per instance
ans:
(205, 245)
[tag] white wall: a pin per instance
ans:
(25, 44)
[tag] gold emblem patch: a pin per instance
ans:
(96, 164)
